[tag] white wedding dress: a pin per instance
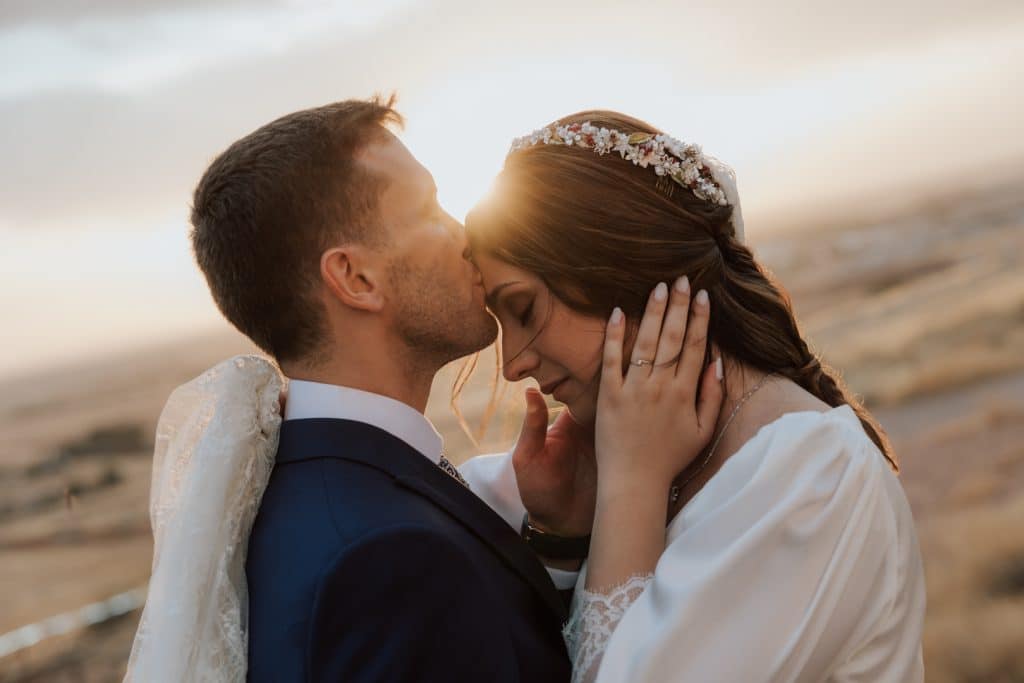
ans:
(797, 561)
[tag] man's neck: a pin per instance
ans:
(393, 378)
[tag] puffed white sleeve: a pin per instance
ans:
(493, 479)
(797, 562)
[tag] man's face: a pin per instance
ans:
(435, 294)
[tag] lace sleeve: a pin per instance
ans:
(592, 621)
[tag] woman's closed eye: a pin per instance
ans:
(526, 314)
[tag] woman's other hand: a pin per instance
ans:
(651, 419)
(650, 426)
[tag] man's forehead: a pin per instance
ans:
(389, 158)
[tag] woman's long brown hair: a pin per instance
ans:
(601, 232)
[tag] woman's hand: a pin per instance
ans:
(650, 422)
(650, 426)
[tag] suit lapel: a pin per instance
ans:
(368, 445)
(474, 514)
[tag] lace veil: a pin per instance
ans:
(725, 176)
(215, 446)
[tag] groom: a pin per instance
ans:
(371, 560)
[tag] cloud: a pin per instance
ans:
(112, 115)
(122, 52)
(83, 153)
(64, 12)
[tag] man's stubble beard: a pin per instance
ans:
(432, 322)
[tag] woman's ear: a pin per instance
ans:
(354, 276)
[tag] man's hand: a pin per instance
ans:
(555, 470)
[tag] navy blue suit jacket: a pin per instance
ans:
(367, 562)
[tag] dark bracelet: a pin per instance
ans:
(553, 546)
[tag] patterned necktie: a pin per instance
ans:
(445, 465)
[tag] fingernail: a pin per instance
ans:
(718, 369)
(616, 316)
(683, 285)
(661, 292)
(702, 297)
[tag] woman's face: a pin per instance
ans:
(543, 338)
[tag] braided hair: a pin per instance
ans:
(746, 286)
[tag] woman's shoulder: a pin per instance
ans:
(804, 454)
(791, 428)
(837, 432)
(811, 440)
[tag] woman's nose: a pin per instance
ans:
(519, 362)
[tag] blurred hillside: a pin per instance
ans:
(923, 310)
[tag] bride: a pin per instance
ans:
(790, 552)
(784, 550)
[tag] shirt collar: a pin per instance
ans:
(317, 400)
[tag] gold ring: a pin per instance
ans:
(641, 363)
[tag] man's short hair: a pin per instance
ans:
(271, 204)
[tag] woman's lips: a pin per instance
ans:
(550, 387)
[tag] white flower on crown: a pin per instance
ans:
(683, 162)
(650, 155)
(621, 144)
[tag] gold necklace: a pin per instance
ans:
(677, 489)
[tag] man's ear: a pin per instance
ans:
(354, 275)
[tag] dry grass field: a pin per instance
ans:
(922, 308)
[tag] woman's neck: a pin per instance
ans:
(753, 399)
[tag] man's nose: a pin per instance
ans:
(478, 277)
(457, 228)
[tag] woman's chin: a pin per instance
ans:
(583, 413)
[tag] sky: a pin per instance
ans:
(110, 111)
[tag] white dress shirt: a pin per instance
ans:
(491, 478)
(317, 400)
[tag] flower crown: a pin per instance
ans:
(683, 162)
